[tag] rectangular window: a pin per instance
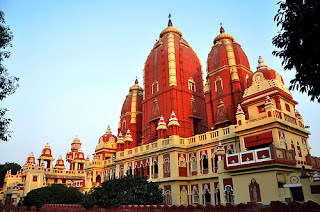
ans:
(35, 178)
(191, 85)
(261, 108)
(155, 87)
(287, 107)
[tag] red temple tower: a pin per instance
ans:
(173, 82)
(227, 72)
(131, 116)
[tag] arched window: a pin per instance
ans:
(215, 161)
(124, 127)
(155, 167)
(184, 196)
(218, 84)
(205, 164)
(195, 195)
(167, 197)
(136, 171)
(148, 170)
(129, 170)
(217, 194)
(228, 194)
(155, 87)
(206, 195)
(98, 179)
(193, 161)
(191, 85)
(142, 170)
(166, 165)
(182, 161)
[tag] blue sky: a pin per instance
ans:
(77, 59)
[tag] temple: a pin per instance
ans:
(234, 137)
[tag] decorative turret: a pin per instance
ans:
(162, 127)
(227, 65)
(75, 145)
(240, 116)
(173, 124)
(120, 142)
(31, 159)
(128, 139)
(46, 157)
(131, 114)
(172, 76)
(220, 151)
(268, 101)
(261, 63)
(79, 160)
(79, 155)
(60, 164)
(70, 156)
(263, 81)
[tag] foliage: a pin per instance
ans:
(53, 194)
(129, 190)
(299, 44)
(14, 167)
(8, 84)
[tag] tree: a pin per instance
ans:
(299, 44)
(129, 190)
(8, 84)
(53, 194)
(14, 167)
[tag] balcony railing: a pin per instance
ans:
(278, 114)
(197, 139)
(267, 154)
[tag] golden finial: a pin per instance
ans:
(170, 22)
(221, 28)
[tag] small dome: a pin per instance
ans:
(76, 140)
(223, 36)
(218, 58)
(173, 120)
(169, 29)
(127, 104)
(136, 86)
(120, 139)
(162, 124)
(108, 136)
(268, 73)
(107, 141)
(264, 79)
(60, 163)
(46, 152)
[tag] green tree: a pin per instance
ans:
(8, 84)
(299, 44)
(53, 194)
(129, 190)
(14, 167)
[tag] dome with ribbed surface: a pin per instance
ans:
(218, 56)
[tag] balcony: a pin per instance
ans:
(259, 156)
(273, 116)
(210, 136)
